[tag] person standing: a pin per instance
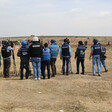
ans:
(46, 60)
(65, 55)
(24, 56)
(54, 48)
(6, 54)
(95, 53)
(103, 57)
(41, 41)
(35, 52)
(80, 55)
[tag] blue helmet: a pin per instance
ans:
(53, 41)
(100, 43)
(24, 42)
(95, 40)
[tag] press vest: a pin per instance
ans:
(81, 51)
(54, 50)
(46, 54)
(96, 49)
(65, 49)
(35, 50)
(24, 53)
(103, 57)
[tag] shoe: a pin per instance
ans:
(53, 75)
(63, 73)
(93, 74)
(67, 73)
(35, 78)
(99, 75)
(77, 73)
(39, 78)
(82, 73)
(106, 70)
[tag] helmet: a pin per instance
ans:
(35, 39)
(100, 43)
(95, 40)
(53, 41)
(23, 42)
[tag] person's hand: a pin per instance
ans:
(69, 57)
(61, 57)
(89, 58)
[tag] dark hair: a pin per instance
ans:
(68, 41)
(46, 45)
(80, 43)
(64, 40)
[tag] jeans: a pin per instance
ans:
(66, 59)
(96, 59)
(53, 66)
(36, 63)
(104, 65)
(6, 68)
(22, 67)
(82, 64)
(46, 63)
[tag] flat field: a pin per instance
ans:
(73, 93)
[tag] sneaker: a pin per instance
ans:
(39, 78)
(35, 78)
(106, 70)
(93, 74)
(99, 75)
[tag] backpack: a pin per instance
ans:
(5, 53)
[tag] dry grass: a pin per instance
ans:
(73, 93)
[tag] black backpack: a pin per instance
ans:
(5, 53)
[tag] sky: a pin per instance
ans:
(55, 17)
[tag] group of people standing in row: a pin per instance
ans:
(43, 56)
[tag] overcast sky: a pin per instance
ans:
(56, 17)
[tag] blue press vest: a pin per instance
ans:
(103, 51)
(81, 51)
(96, 49)
(46, 54)
(54, 50)
(65, 49)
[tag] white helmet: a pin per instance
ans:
(35, 39)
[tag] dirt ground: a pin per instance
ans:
(73, 93)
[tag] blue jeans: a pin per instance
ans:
(66, 59)
(104, 65)
(96, 59)
(36, 63)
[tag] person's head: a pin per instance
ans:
(35, 39)
(65, 40)
(80, 43)
(41, 41)
(6, 43)
(53, 41)
(46, 45)
(95, 41)
(23, 43)
(68, 41)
